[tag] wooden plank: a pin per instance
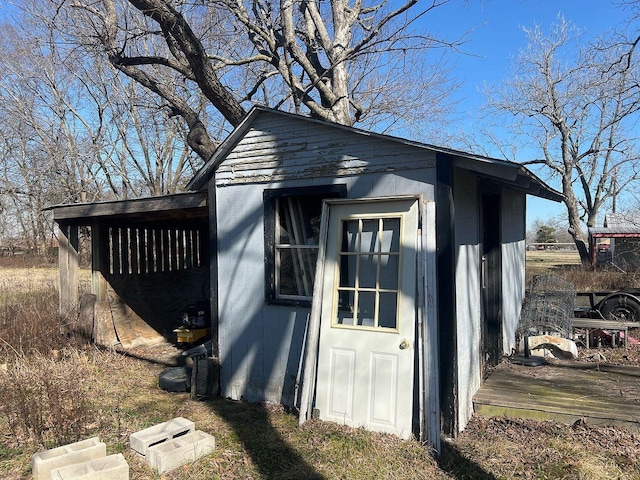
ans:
(68, 261)
(603, 324)
(563, 391)
(99, 260)
(209, 252)
(128, 207)
(188, 253)
(289, 149)
(142, 259)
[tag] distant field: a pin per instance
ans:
(543, 259)
(16, 279)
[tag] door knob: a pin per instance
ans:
(404, 344)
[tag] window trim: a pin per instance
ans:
(270, 197)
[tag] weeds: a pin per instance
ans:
(45, 400)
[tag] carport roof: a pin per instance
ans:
(184, 206)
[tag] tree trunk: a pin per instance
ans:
(575, 230)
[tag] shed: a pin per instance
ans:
(617, 242)
(420, 254)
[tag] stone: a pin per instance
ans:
(551, 346)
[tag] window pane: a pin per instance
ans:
(283, 231)
(389, 272)
(348, 271)
(390, 235)
(369, 236)
(299, 220)
(368, 271)
(349, 235)
(345, 307)
(366, 308)
(388, 310)
(296, 270)
(287, 278)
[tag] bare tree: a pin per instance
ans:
(578, 105)
(346, 62)
(72, 131)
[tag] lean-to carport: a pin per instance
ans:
(149, 258)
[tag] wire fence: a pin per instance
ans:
(548, 307)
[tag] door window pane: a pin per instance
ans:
(369, 273)
(366, 309)
(387, 316)
(389, 269)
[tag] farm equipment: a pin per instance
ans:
(621, 306)
(608, 316)
(195, 325)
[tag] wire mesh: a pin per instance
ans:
(548, 307)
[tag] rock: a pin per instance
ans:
(550, 346)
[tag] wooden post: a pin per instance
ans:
(68, 261)
(99, 260)
(213, 266)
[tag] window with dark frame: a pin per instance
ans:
(292, 230)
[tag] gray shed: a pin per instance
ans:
(421, 254)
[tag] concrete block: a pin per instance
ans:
(173, 453)
(113, 467)
(142, 440)
(43, 462)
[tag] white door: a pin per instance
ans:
(367, 319)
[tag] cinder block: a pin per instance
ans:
(142, 440)
(173, 453)
(43, 462)
(113, 467)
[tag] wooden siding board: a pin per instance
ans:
(467, 285)
(513, 225)
(241, 270)
(289, 150)
(68, 260)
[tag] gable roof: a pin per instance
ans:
(506, 172)
(617, 225)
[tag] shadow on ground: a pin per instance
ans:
(456, 464)
(271, 454)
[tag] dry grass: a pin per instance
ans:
(566, 263)
(265, 442)
(109, 395)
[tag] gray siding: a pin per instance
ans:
(468, 300)
(260, 344)
(278, 148)
(513, 262)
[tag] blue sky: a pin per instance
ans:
(498, 37)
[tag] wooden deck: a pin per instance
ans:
(563, 391)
